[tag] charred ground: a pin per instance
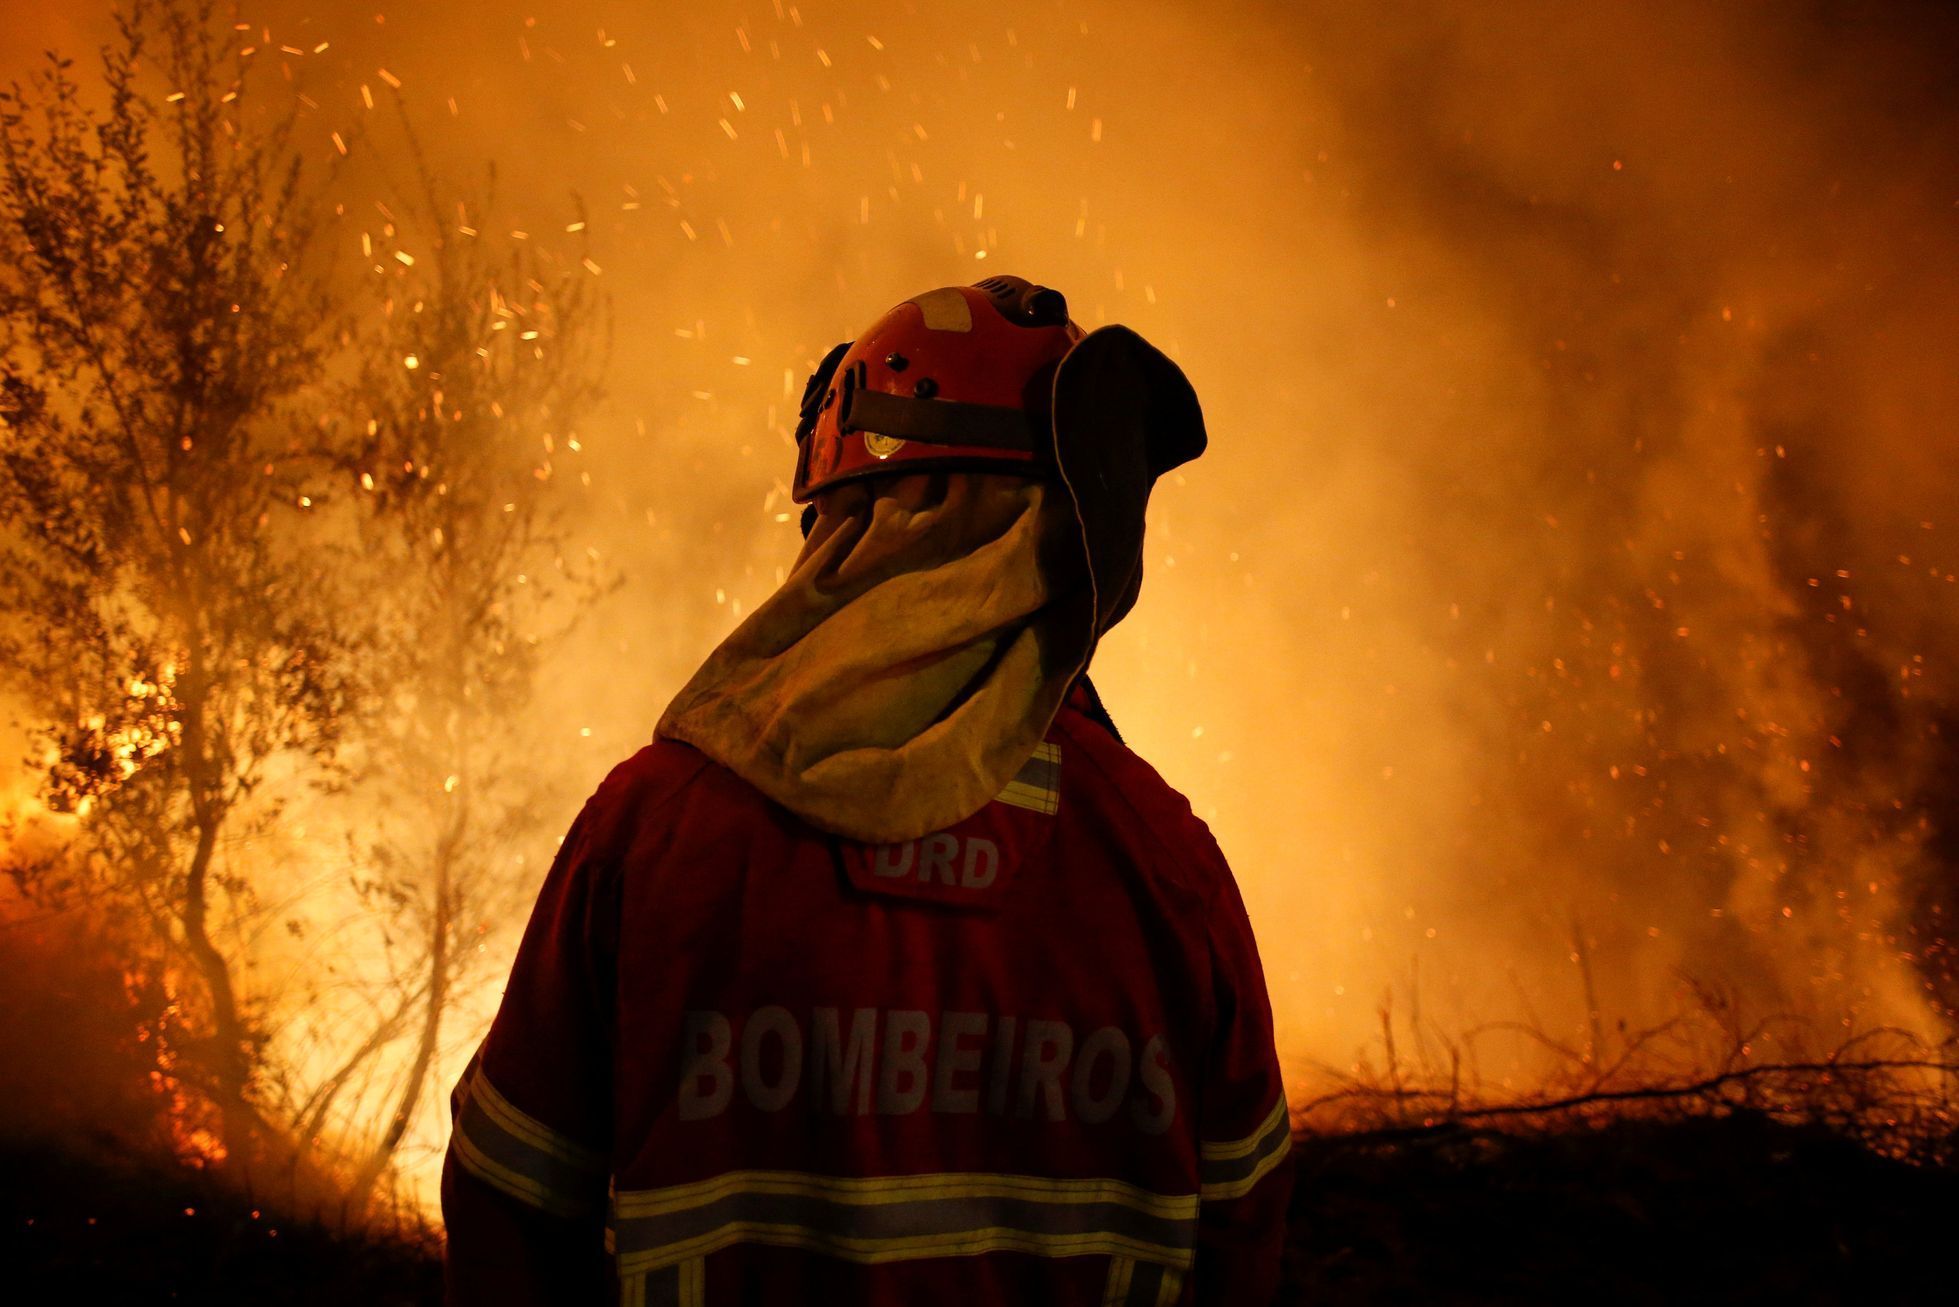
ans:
(1731, 1209)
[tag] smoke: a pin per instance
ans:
(1652, 617)
(1569, 586)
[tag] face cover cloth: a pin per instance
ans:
(911, 660)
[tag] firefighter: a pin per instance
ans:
(887, 974)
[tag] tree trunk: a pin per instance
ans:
(360, 1191)
(230, 1060)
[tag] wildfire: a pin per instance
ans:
(1558, 634)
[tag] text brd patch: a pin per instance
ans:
(970, 865)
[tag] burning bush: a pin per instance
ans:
(275, 532)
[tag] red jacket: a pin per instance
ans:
(1024, 1060)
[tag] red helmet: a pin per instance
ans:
(956, 378)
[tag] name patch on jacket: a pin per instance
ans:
(893, 1062)
(968, 865)
(959, 867)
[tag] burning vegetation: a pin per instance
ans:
(1559, 635)
(279, 530)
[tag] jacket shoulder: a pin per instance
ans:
(1142, 801)
(669, 784)
(656, 774)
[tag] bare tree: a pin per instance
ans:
(162, 313)
(457, 437)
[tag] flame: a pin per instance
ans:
(188, 1118)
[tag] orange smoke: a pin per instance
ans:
(1561, 629)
